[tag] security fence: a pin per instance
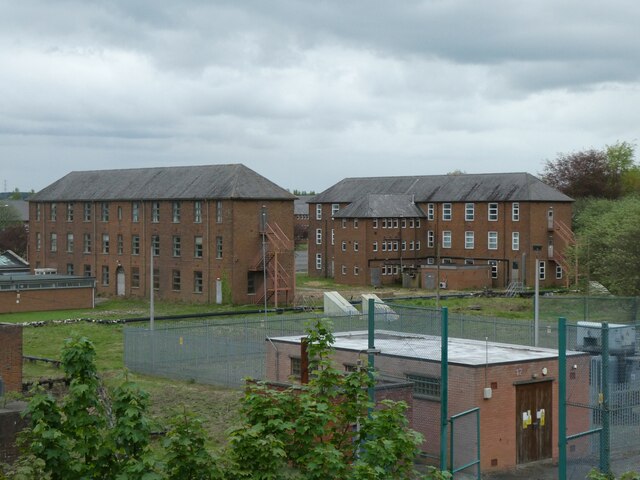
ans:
(605, 413)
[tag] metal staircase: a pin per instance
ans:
(280, 285)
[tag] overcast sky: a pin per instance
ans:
(309, 92)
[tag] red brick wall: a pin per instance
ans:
(45, 299)
(11, 357)
(532, 227)
(238, 229)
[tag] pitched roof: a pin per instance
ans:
(378, 206)
(234, 181)
(446, 188)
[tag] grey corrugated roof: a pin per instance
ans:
(164, 183)
(378, 206)
(484, 187)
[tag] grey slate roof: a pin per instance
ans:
(300, 205)
(378, 206)
(486, 187)
(234, 181)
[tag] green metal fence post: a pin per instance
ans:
(605, 436)
(444, 385)
(562, 398)
(371, 356)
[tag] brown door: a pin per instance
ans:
(533, 422)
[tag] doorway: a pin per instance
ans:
(534, 421)
(120, 282)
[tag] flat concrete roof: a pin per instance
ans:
(462, 351)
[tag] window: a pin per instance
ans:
(105, 243)
(155, 212)
(334, 208)
(446, 211)
(175, 212)
(175, 280)
(176, 246)
(120, 245)
(38, 212)
(38, 241)
(417, 223)
(355, 223)
(356, 270)
(494, 268)
(492, 241)
(395, 223)
(333, 237)
(417, 244)
(412, 245)
(155, 245)
(197, 247)
(69, 242)
(404, 245)
(104, 211)
(431, 261)
(318, 261)
(469, 212)
(403, 223)
(53, 212)
(558, 272)
(447, 261)
(198, 286)
(318, 236)
(469, 240)
(87, 270)
(469, 261)
(426, 386)
(251, 283)
(542, 269)
(296, 367)
(105, 275)
(344, 223)
(431, 215)
(384, 223)
(119, 213)
(135, 245)
(493, 212)
(69, 268)
(219, 211)
(384, 246)
(344, 246)
(135, 277)
(69, 212)
(53, 242)
(87, 211)
(515, 241)
(375, 223)
(412, 223)
(343, 269)
(156, 279)
(197, 211)
(375, 246)
(515, 211)
(218, 247)
(355, 246)
(86, 243)
(135, 212)
(319, 211)
(431, 239)
(446, 239)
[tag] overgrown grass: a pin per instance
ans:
(507, 308)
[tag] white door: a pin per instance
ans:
(120, 287)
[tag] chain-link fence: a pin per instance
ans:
(595, 309)
(603, 416)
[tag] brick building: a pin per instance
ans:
(209, 233)
(11, 357)
(377, 230)
(515, 387)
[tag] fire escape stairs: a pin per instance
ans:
(279, 281)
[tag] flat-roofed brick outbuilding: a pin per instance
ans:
(204, 224)
(371, 231)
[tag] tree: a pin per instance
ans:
(9, 216)
(14, 238)
(608, 173)
(326, 429)
(608, 247)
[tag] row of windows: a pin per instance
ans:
(176, 278)
(447, 214)
(105, 213)
(87, 247)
